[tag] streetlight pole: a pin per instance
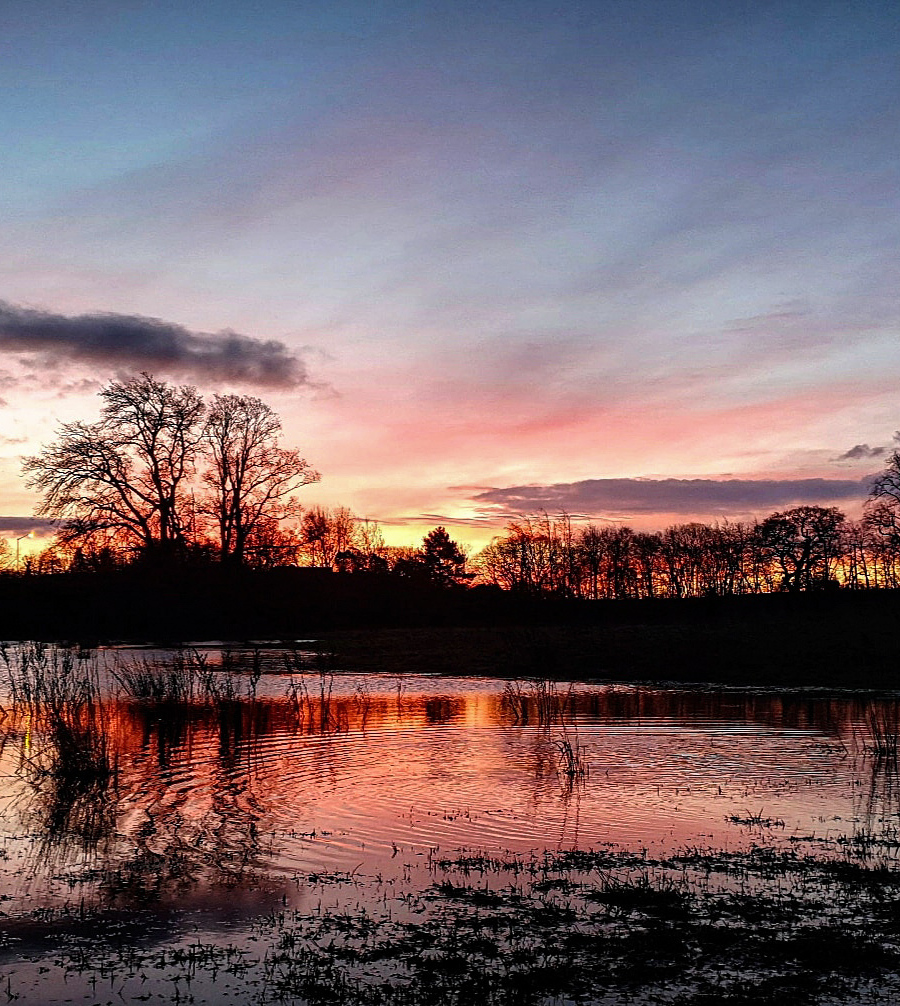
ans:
(29, 535)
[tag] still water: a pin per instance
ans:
(277, 776)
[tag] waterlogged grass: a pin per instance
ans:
(599, 926)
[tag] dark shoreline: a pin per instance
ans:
(836, 638)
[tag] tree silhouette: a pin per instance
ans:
(804, 542)
(883, 505)
(127, 474)
(250, 476)
(132, 480)
(327, 533)
(442, 558)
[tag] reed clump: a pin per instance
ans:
(540, 700)
(883, 724)
(311, 673)
(62, 722)
(172, 681)
(572, 761)
(187, 676)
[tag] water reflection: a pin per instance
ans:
(119, 798)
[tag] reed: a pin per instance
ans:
(67, 753)
(186, 677)
(314, 672)
(172, 681)
(540, 699)
(571, 757)
(883, 723)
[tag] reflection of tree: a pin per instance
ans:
(197, 803)
(441, 709)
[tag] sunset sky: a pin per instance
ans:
(637, 260)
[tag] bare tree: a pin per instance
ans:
(370, 538)
(886, 487)
(126, 474)
(326, 533)
(250, 477)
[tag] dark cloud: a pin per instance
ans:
(673, 496)
(150, 343)
(22, 525)
(861, 451)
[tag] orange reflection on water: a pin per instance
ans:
(344, 772)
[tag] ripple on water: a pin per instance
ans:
(419, 764)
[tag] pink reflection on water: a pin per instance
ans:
(375, 773)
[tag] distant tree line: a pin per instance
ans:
(800, 549)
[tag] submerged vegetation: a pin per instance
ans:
(588, 926)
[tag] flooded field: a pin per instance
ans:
(216, 826)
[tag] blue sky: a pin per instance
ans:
(508, 245)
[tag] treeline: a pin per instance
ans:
(804, 548)
(332, 539)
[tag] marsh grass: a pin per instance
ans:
(187, 676)
(62, 723)
(883, 723)
(590, 926)
(311, 673)
(172, 681)
(541, 700)
(750, 819)
(660, 895)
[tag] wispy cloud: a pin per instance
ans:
(860, 452)
(137, 341)
(596, 497)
